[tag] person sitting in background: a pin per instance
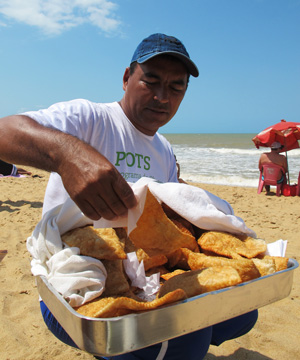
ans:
(7, 169)
(274, 157)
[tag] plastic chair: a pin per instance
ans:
(270, 173)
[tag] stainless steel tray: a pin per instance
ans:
(114, 336)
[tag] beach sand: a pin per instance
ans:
(23, 334)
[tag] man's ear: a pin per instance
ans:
(125, 78)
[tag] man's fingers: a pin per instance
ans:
(124, 192)
(112, 205)
(96, 209)
(108, 205)
(114, 201)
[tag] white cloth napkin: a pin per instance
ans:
(277, 248)
(78, 278)
(196, 205)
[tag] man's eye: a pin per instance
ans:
(177, 88)
(149, 82)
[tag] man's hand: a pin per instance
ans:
(95, 185)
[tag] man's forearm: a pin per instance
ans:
(25, 142)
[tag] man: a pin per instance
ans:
(274, 157)
(92, 149)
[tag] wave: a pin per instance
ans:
(224, 159)
(221, 180)
(251, 152)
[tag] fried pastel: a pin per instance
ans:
(116, 282)
(149, 261)
(201, 281)
(245, 267)
(98, 243)
(228, 245)
(156, 234)
(281, 263)
(117, 306)
(265, 266)
(178, 259)
(181, 225)
(169, 275)
(171, 214)
(159, 269)
(178, 220)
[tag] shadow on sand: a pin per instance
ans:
(240, 354)
(12, 206)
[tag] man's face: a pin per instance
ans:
(154, 92)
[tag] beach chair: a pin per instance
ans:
(298, 185)
(269, 175)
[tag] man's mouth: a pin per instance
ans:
(158, 110)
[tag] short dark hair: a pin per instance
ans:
(134, 64)
(132, 67)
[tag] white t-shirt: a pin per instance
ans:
(107, 129)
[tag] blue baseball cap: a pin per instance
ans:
(159, 44)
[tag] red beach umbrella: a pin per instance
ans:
(285, 132)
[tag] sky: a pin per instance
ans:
(247, 52)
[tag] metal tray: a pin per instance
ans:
(114, 336)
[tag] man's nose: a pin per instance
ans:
(162, 94)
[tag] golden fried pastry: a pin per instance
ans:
(265, 266)
(245, 267)
(169, 275)
(200, 281)
(149, 261)
(159, 269)
(116, 281)
(118, 306)
(156, 233)
(228, 245)
(281, 263)
(178, 259)
(98, 243)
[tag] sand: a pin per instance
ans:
(23, 334)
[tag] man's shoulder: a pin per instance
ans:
(162, 139)
(91, 104)
(90, 109)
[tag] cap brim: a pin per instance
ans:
(192, 68)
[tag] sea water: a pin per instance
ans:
(223, 159)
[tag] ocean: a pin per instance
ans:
(223, 159)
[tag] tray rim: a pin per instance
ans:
(292, 265)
